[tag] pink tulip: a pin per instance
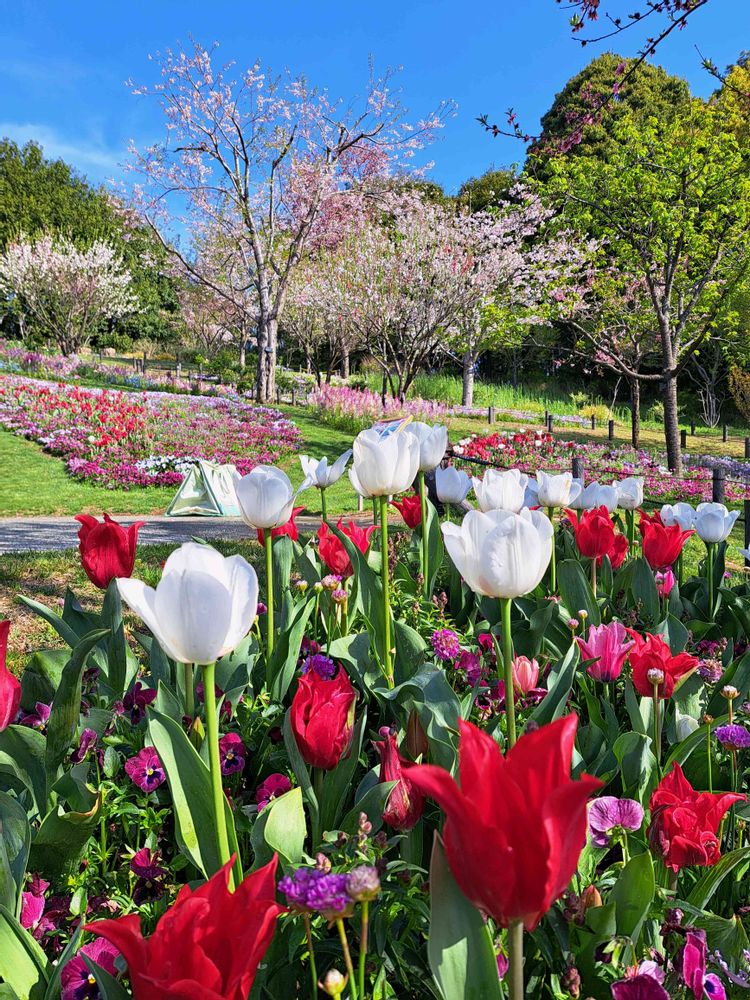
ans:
(607, 646)
(664, 582)
(525, 675)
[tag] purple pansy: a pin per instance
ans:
(145, 770)
(37, 719)
(149, 874)
(320, 664)
(87, 741)
(470, 664)
(271, 788)
(639, 987)
(137, 700)
(232, 753)
(445, 644)
(733, 737)
(76, 981)
(608, 814)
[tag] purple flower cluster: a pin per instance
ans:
(733, 737)
(313, 890)
(320, 664)
(446, 645)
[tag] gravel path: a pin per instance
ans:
(40, 534)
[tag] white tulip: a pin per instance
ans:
(678, 513)
(531, 493)
(318, 471)
(557, 490)
(384, 466)
(685, 725)
(745, 553)
(433, 442)
(451, 485)
(630, 492)
(576, 499)
(357, 486)
(499, 553)
(596, 495)
(713, 522)
(203, 606)
(266, 497)
(501, 490)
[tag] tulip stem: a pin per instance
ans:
(347, 957)
(657, 727)
(423, 511)
(515, 960)
(323, 512)
(189, 691)
(212, 734)
(510, 707)
(388, 666)
(630, 521)
(710, 570)
(553, 560)
(593, 575)
(269, 593)
(311, 952)
(679, 570)
(363, 936)
(709, 756)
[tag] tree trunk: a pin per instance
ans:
(635, 413)
(344, 361)
(467, 391)
(267, 340)
(672, 424)
(243, 349)
(308, 359)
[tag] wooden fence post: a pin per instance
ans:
(578, 470)
(611, 430)
(683, 439)
(717, 486)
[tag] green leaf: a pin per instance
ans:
(280, 827)
(190, 785)
(66, 705)
(15, 840)
(53, 987)
(642, 588)
(410, 647)
(435, 547)
(338, 782)
(22, 752)
(559, 684)
(280, 671)
(637, 764)
(459, 948)
(707, 885)
(300, 768)
(576, 591)
(633, 895)
(61, 839)
(23, 965)
(41, 676)
(373, 802)
(66, 633)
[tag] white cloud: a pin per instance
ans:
(86, 154)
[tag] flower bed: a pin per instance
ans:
(125, 440)
(530, 450)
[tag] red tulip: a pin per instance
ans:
(653, 664)
(107, 549)
(618, 552)
(661, 544)
(405, 804)
(322, 718)
(410, 508)
(10, 686)
(290, 528)
(208, 944)
(332, 551)
(516, 826)
(684, 822)
(594, 531)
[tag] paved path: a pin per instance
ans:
(39, 534)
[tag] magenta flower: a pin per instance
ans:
(145, 770)
(136, 701)
(445, 643)
(733, 737)
(37, 719)
(232, 753)
(271, 788)
(640, 987)
(76, 980)
(693, 969)
(664, 582)
(607, 646)
(87, 741)
(149, 874)
(470, 664)
(609, 815)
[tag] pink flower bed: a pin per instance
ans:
(125, 440)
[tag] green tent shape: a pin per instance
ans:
(207, 489)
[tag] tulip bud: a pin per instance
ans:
(322, 718)
(196, 733)
(363, 883)
(571, 982)
(334, 983)
(405, 805)
(416, 738)
(525, 675)
(590, 899)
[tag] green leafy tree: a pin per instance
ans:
(671, 204)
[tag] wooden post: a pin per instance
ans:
(611, 430)
(578, 470)
(747, 531)
(143, 363)
(724, 433)
(546, 417)
(692, 428)
(593, 421)
(747, 448)
(683, 439)
(294, 397)
(550, 419)
(717, 486)
(491, 415)
(278, 395)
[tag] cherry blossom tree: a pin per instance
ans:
(324, 339)
(64, 292)
(272, 163)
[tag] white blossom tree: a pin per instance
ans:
(66, 293)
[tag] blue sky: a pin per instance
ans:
(63, 67)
